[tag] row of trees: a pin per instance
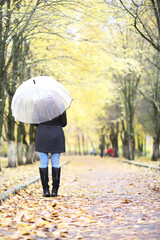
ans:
(105, 52)
(136, 76)
(14, 47)
(21, 23)
(38, 38)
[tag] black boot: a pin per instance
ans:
(56, 180)
(44, 180)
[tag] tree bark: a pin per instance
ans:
(20, 154)
(2, 64)
(20, 145)
(11, 154)
(124, 140)
(11, 138)
(2, 105)
(0, 152)
(125, 149)
(140, 145)
(156, 141)
(83, 143)
(132, 148)
(145, 142)
(30, 154)
(156, 100)
(114, 138)
(31, 149)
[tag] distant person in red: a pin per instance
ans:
(110, 152)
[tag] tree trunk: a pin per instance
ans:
(145, 153)
(25, 147)
(11, 139)
(140, 145)
(32, 137)
(155, 151)
(130, 138)
(124, 140)
(36, 156)
(25, 144)
(129, 148)
(156, 111)
(156, 147)
(132, 148)
(79, 145)
(2, 105)
(31, 148)
(2, 65)
(11, 154)
(83, 143)
(156, 137)
(116, 154)
(87, 146)
(75, 147)
(11, 90)
(19, 145)
(30, 154)
(0, 152)
(114, 139)
(20, 154)
(125, 149)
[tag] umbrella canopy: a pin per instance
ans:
(40, 99)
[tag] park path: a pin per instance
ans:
(99, 198)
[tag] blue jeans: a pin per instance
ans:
(44, 160)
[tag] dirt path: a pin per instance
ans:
(98, 199)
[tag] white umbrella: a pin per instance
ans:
(40, 99)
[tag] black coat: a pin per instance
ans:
(50, 136)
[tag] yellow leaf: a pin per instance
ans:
(41, 224)
(23, 224)
(25, 232)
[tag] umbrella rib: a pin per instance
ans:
(37, 114)
(42, 104)
(68, 94)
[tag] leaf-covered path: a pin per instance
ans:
(98, 199)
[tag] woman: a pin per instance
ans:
(50, 139)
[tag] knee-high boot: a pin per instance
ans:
(56, 180)
(44, 180)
